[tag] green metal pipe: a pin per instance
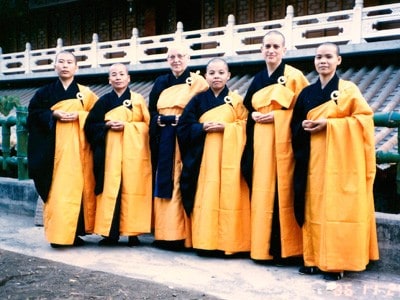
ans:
(387, 157)
(388, 119)
(5, 144)
(22, 138)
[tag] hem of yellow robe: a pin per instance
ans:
(187, 240)
(133, 233)
(162, 228)
(221, 246)
(342, 268)
(270, 257)
(226, 252)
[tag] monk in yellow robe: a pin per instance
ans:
(333, 142)
(117, 128)
(268, 161)
(211, 135)
(168, 97)
(59, 158)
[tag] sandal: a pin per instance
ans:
(309, 270)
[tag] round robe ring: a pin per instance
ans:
(227, 100)
(127, 103)
(189, 80)
(335, 95)
(79, 96)
(282, 80)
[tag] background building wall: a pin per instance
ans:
(42, 22)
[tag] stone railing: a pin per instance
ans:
(356, 26)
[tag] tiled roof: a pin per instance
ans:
(380, 86)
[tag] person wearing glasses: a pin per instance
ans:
(117, 129)
(334, 148)
(267, 162)
(168, 97)
(59, 158)
(211, 135)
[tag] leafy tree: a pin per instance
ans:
(8, 103)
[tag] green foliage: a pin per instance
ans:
(7, 103)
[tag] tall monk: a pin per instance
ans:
(212, 135)
(59, 158)
(168, 97)
(268, 162)
(334, 147)
(117, 128)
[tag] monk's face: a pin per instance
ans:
(273, 49)
(178, 60)
(217, 75)
(65, 65)
(119, 77)
(326, 60)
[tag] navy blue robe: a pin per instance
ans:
(163, 136)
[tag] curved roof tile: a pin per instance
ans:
(380, 86)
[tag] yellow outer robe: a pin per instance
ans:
(170, 220)
(221, 213)
(274, 164)
(73, 179)
(340, 228)
(127, 166)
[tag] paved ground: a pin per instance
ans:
(144, 272)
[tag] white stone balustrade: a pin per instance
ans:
(356, 26)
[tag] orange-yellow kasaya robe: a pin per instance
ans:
(340, 229)
(221, 212)
(73, 179)
(170, 220)
(273, 168)
(127, 166)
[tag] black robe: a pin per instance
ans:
(161, 83)
(42, 133)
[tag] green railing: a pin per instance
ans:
(7, 161)
(390, 120)
(19, 161)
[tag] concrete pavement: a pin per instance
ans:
(235, 278)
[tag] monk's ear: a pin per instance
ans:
(339, 60)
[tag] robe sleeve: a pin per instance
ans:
(41, 141)
(301, 152)
(95, 131)
(191, 137)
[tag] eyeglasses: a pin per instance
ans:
(178, 56)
